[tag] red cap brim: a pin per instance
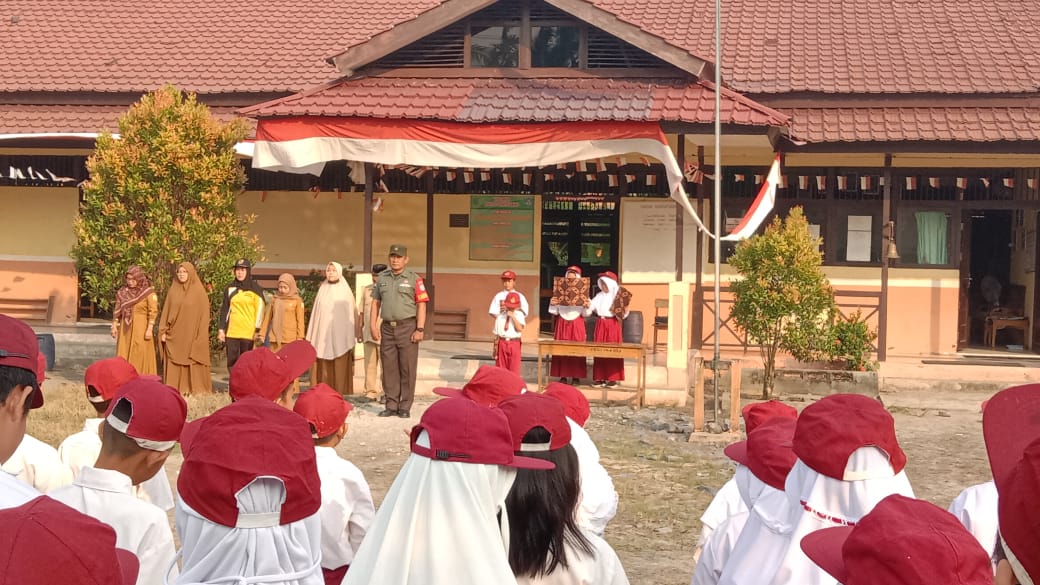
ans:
(129, 566)
(299, 356)
(737, 452)
(450, 392)
(824, 547)
(531, 463)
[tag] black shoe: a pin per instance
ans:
(599, 384)
(388, 412)
(611, 384)
(575, 381)
(404, 414)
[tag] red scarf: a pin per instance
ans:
(127, 297)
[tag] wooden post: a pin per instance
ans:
(697, 367)
(734, 396)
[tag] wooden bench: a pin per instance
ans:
(30, 310)
(450, 324)
(636, 351)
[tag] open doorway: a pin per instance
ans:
(995, 303)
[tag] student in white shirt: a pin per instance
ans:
(546, 544)
(19, 393)
(508, 285)
(35, 462)
(599, 501)
(102, 379)
(509, 325)
(347, 509)
(141, 427)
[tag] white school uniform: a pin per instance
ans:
(716, 552)
(727, 502)
(504, 326)
(603, 567)
(346, 511)
(599, 500)
(81, 450)
(496, 303)
(37, 464)
(14, 492)
(976, 508)
(141, 528)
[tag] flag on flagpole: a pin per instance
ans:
(760, 208)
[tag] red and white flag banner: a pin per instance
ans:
(843, 183)
(803, 182)
(1031, 183)
(985, 181)
(760, 208)
(304, 144)
(1009, 183)
(911, 183)
(865, 182)
(962, 182)
(933, 182)
(821, 182)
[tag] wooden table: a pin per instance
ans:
(995, 323)
(634, 351)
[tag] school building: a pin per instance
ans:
(909, 133)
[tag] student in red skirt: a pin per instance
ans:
(607, 371)
(570, 326)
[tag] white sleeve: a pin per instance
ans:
(526, 308)
(156, 553)
(363, 513)
(493, 308)
(598, 498)
(156, 490)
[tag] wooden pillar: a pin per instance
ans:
(679, 219)
(697, 329)
(886, 213)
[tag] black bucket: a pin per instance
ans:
(46, 341)
(632, 328)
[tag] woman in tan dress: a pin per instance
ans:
(133, 321)
(283, 320)
(184, 334)
(331, 331)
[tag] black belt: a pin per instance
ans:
(400, 321)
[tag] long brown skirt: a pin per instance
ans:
(338, 373)
(188, 380)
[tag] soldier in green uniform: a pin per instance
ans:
(399, 297)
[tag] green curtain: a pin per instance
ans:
(931, 237)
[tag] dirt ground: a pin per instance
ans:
(664, 479)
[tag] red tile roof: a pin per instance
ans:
(523, 100)
(18, 119)
(899, 124)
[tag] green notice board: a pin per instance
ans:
(501, 227)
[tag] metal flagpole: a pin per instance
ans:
(718, 196)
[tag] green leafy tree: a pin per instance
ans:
(161, 193)
(782, 300)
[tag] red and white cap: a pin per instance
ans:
(266, 374)
(530, 410)
(574, 269)
(45, 542)
(250, 438)
(830, 430)
(508, 275)
(902, 541)
(758, 412)
(19, 348)
(1011, 427)
(488, 386)
(512, 300)
(324, 408)
(575, 403)
(149, 412)
(767, 451)
(106, 376)
(609, 274)
(464, 431)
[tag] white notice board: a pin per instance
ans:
(648, 241)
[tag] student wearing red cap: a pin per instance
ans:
(509, 325)
(570, 326)
(607, 372)
(248, 498)
(346, 501)
(497, 306)
(488, 386)
(599, 500)
(1011, 427)
(727, 501)
(269, 375)
(102, 380)
(848, 461)
(35, 462)
(902, 541)
(45, 542)
(142, 425)
(444, 518)
(744, 538)
(19, 393)
(546, 543)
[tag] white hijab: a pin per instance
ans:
(272, 554)
(331, 330)
(441, 522)
(763, 540)
(604, 299)
(817, 501)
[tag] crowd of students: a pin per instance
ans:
(501, 486)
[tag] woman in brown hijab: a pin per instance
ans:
(283, 320)
(133, 321)
(184, 334)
